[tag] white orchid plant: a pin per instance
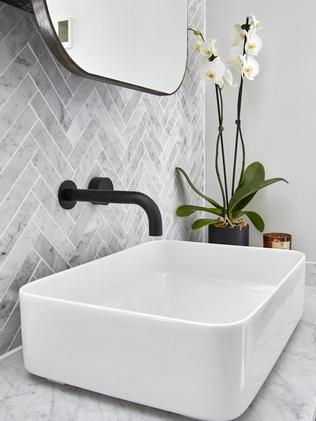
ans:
(246, 45)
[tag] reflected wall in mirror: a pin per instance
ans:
(140, 44)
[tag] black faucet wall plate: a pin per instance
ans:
(97, 183)
(63, 201)
(101, 183)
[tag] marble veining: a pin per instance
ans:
(289, 393)
(54, 126)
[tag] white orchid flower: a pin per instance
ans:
(227, 80)
(250, 67)
(214, 71)
(253, 44)
(255, 23)
(234, 57)
(238, 35)
(208, 48)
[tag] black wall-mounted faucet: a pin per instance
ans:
(101, 192)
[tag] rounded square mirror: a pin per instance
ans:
(140, 44)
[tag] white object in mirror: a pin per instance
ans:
(64, 31)
(141, 44)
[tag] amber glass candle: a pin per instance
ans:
(277, 240)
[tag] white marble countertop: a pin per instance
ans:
(289, 394)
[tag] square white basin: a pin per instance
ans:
(190, 328)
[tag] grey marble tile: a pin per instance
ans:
(132, 147)
(92, 249)
(13, 231)
(15, 135)
(77, 211)
(117, 98)
(51, 124)
(10, 329)
(152, 114)
(84, 142)
(16, 40)
(84, 168)
(42, 270)
(51, 150)
(131, 107)
(15, 73)
(108, 168)
(11, 297)
(81, 254)
(109, 139)
(114, 216)
(63, 71)
(16, 104)
(52, 71)
(49, 255)
(74, 82)
(51, 230)
(141, 115)
(311, 274)
(133, 163)
(47, 171)
(153, 139)
(87, 222)
(51, 97)
(110, 107)
(82, 119)
(9, 17)
(15, 259)
(16, 165)
(17, 195)
(137, 177)
(48, 199)
(80, 97)
(17, 341)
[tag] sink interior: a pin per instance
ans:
(188, 281)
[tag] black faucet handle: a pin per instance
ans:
(64, 201)
(101, 183)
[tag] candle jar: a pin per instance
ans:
(277, 240)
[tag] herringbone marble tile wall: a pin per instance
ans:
(55, 126)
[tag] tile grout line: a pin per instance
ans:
(9, 348)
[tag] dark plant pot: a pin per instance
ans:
(230, 236)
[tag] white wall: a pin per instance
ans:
(279, 112)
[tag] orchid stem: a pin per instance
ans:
(238, 129)
(220, 142)
(194, 31)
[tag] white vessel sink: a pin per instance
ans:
(189, 328)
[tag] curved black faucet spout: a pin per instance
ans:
(100, 192)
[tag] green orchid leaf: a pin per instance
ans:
(208, 199)
(187, 210)
(236, 215)
(200, 223)
(256, 219)
(253, 174)
(245, 194)
(243, 203)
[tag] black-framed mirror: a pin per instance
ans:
(139, 44)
